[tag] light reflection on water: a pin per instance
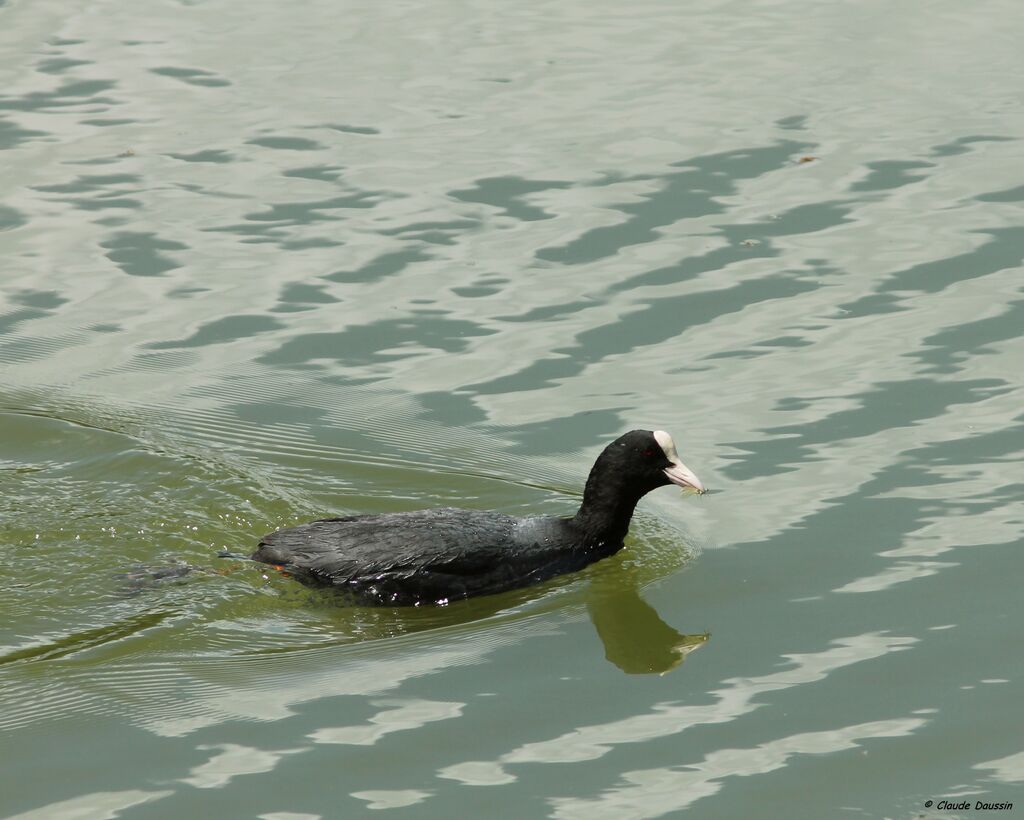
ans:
(415, 256)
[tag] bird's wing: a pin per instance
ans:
(454, 542)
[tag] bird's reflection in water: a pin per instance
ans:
(635, 637)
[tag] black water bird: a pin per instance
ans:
(443, 555)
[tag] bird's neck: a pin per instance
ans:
(603, 517)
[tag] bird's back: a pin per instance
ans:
(424, 556)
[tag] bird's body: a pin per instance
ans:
(446, 554)
(427, 555)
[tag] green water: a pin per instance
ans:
(261, 263)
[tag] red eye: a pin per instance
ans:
(648, 452)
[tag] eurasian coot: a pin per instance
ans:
(442, 555)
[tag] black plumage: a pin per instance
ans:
(442, 555)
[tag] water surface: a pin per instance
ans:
(266, 263)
